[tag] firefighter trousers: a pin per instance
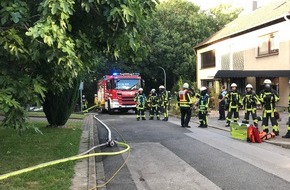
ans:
(232, 111)
(140, 113)
(265, 121)
(202, 115)
(185, 116)
(154, 110)
(247, 116)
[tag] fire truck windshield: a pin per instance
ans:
(127, 84)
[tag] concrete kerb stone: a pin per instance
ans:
(85, 174)
(277, 143)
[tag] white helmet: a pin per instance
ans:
(202, 88)
(267, 81)
(161, 87)
(153, 90)
(234, 85)
(140, 89)
(249, 86)
(185, 85)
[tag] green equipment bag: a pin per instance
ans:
(239, 131)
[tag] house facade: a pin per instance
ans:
(250, 49)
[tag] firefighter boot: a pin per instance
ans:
(143, 118)
(138, 118)
(276, 130)
(201, 124)
(287, 135)
(165, 119)
(151, 118)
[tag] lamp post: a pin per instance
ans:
(164, 76)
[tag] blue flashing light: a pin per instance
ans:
(114, 74)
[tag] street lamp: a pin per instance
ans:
(164, 76)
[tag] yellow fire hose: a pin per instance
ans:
(77, 157)
(87, 110)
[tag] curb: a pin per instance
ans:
(277, 143)
(85, 173)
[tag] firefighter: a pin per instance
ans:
(185, 105)
(250, 102)
(288, 129)
(233, 99)
(164, 102)
(140, 100)
(84, 102)
(203, 103)
(153, 105)
(222, 102)
(268, 99)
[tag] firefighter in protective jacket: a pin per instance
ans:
(233, 98)
(288, 128)
(153, 101)
(203, 103)
(185, 104)
(250, 102)
(140, 100)
(268, 99)
(163, 94)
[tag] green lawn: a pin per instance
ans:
(41, 114)
(18, 152)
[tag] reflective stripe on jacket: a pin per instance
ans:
(184, 99)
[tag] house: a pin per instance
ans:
(250, 49)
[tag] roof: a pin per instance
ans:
(275, 10)
(251, 73)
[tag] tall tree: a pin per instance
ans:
(46, 45)
(175, 28)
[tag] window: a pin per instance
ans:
(268, 44)
(208, 59)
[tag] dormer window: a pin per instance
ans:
(268, 45)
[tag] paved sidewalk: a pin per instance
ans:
(215, 123)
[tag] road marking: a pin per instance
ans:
(153, 166)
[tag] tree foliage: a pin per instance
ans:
(45, 45)
(175, 28)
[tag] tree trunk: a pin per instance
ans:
(59, 106)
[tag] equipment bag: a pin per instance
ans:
(266, 136)
(239, 131)
(253, 134)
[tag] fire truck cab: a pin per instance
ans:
(117, 91)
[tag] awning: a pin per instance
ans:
(251, 73)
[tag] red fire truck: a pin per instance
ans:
(117, 91)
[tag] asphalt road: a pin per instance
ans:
(167, 156)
